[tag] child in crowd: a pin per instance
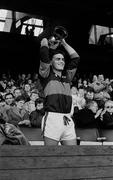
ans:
(36, 115)
(107, 115)
(107, 121)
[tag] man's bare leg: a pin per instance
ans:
(69, 142)
(50, 142)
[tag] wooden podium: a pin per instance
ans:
(56, 162)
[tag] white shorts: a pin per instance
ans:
(53, 127)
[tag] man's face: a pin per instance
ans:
(94, 107)
(27, 87)
(109, 107)
(39, 106)
(9, 99)
(34, 96)
(23, 76)
(17, 93)
(20, 104)
(90, 95)
(58, 62)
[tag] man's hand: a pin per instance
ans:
(98, 113)
(44, 42)
(26, 122)
(63, 42)
(101, 116)
(69, 49)
(53, 44)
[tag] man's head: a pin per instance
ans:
(89, 93)
(93, 106)
(20, 100)
(39, 103)
(9, 98)
(27, 87)
(17, 92)
(100, 77)
(109, 106)
(58, 60)
(34, 95)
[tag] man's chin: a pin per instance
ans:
(61, 69)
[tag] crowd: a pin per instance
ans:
(63, 106)
(93, 108)
(22, 103)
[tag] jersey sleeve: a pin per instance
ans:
(44, 68)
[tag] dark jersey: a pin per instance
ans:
(57, 89)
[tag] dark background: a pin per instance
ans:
(19, 53)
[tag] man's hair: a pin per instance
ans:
(90, 103)
(8, 95)
(89, 89)
(39, 101)
(34, 91)
(20, 98)
(17, 88)
(54, 52)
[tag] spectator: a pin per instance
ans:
(27, 92)
(36, 116)
(30, 105)
(9, 102)
(89, 94)
(86, 122)
(17, 92)
(17, 115)
(107, 121)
